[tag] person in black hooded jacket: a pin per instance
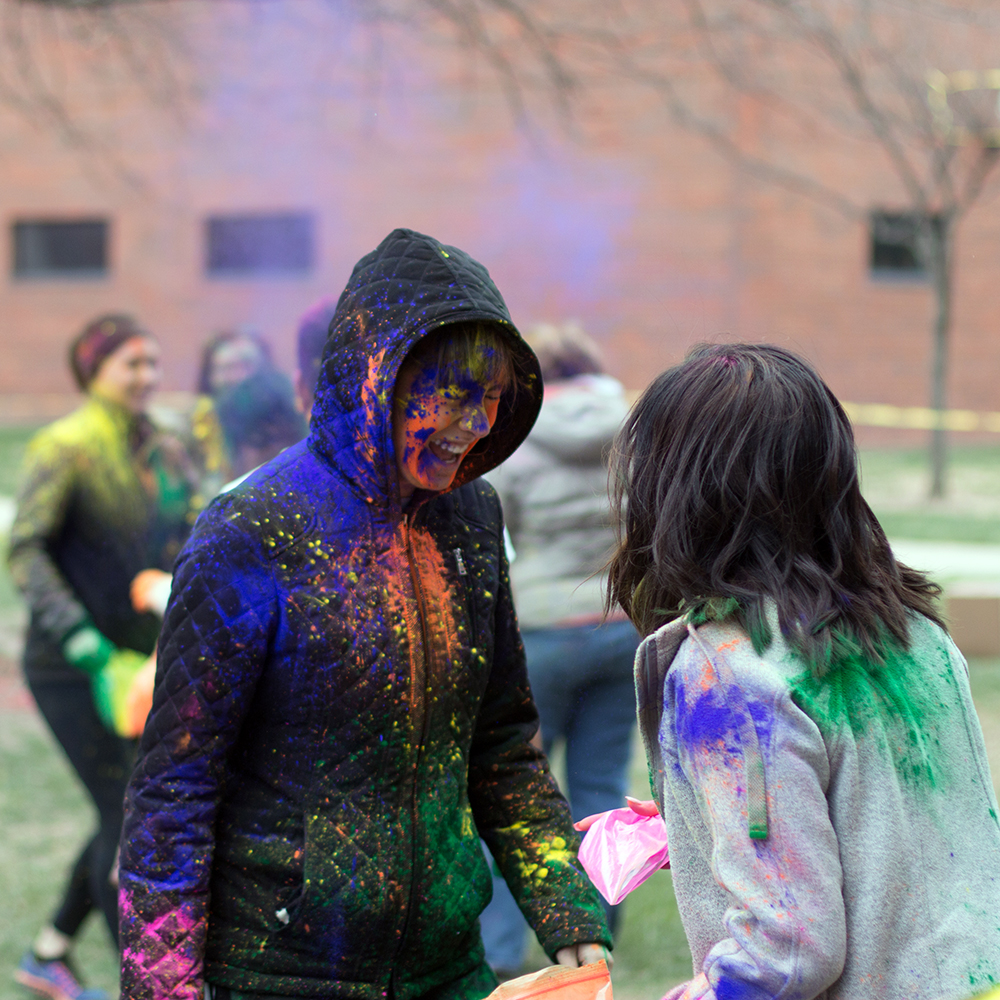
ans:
(341, 705)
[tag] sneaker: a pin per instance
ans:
(55, 980)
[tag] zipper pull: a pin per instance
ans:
(459, 562)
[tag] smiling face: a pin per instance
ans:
(129, 375)
(436, 422)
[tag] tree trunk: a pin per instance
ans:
(937, 240)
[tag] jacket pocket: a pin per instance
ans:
(254, 878)
(287, 907)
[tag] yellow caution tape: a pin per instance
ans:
(920, 418)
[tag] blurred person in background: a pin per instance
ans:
(227, 359)
(102, 495)
(259, 417)
(314, 327)
(554, 491)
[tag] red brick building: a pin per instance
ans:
(298, 132)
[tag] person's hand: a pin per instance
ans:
(644, 807)
(88, 650)
(139, 699)
(583, 954)
(150, 590)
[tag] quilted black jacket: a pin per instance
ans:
(341, 703)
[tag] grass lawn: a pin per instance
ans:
(896, 482)
(45, 817)
(44, 814)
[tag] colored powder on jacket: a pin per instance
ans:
(341, 704)
(102, 496)
(879, 875)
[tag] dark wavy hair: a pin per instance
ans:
(735, 483)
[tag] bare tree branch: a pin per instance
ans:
(758, 167)
(978, 176)
(814, 72)
(856, 85)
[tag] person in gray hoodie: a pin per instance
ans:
(812, 741)
(554, 491)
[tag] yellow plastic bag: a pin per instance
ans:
(123, 691)
(559, 982)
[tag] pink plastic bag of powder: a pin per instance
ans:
(621, 850)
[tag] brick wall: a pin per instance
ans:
(634, 227)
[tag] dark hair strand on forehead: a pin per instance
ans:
(479, 350)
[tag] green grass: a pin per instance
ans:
(46, 818)
(896, 483)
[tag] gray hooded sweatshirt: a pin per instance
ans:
(873, 872)
(554, 491)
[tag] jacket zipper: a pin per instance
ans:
(407, 525)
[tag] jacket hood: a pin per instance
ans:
(409, 286)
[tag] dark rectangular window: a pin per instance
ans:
(895, 244)
(52, 248)
(278, 243)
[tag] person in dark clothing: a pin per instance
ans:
(230, 357)
(103, 494)
(310, 340)
(341, 705)
(226, 360)
(259, 417)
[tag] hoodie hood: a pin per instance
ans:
(409, 286)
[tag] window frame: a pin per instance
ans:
(882, 273)
(301, 261)
(23, 269)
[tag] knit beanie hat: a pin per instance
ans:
(99, 339)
